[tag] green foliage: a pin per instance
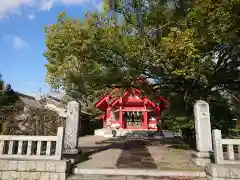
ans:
(7, 95)
(93, 125)
(175, 44)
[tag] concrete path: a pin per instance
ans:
(90, 140)
(135, 155)
(117, 158)
(133, 152)
(98, 152)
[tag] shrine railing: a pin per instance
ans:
(226, 151)
(32, 147)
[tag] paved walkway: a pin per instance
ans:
(90, 140)
(135, 155)
(133, 152)
(99, 152)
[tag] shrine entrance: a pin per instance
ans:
(133, 119)
(132, 110)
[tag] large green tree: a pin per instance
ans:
(7, 95)
(189, 50)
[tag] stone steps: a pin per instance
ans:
(140, 173)
(118, 177)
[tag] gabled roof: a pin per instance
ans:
(126, 94)
(56, 102)
(104, 99)
(103, 103)
(107, 100)
(29, 100)
(102, 116)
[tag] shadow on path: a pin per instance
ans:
(135, 155)
(88, 151)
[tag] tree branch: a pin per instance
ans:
(233, 96)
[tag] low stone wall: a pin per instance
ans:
(34, 170)
(223, 171)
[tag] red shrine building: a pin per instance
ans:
(132, 110)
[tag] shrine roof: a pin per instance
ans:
(111, 99)
(102, 116)
(105, 98)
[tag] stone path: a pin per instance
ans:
(99, 152)
(133, 152)
(88, 141)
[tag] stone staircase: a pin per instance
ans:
(107, 177)
(134, 174)
(112, 132)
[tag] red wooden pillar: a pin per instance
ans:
(121, 117)
(157, 116)
(145, 115)
(108, 112)
(121, 114)
(145, 120)
(108, 115)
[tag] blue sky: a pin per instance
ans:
(22, 38)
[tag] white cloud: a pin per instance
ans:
(99, 6)
(31, 16)
(19, 43)
(46, 5)
(73, 2)
(15, 7)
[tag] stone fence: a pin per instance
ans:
(40, 157)
(227, 158)
(34, 169)
(32, 147)
(33, 157)
(233, 149)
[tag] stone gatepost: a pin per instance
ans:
(201, 156)
(72, 127)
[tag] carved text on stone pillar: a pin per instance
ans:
(71, 132)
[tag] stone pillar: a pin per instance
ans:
(203, 133)
(217, 143)
(72, 127)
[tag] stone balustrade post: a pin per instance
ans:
(201, 156)
(72, 128)
(217, 146)
(203, 126)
